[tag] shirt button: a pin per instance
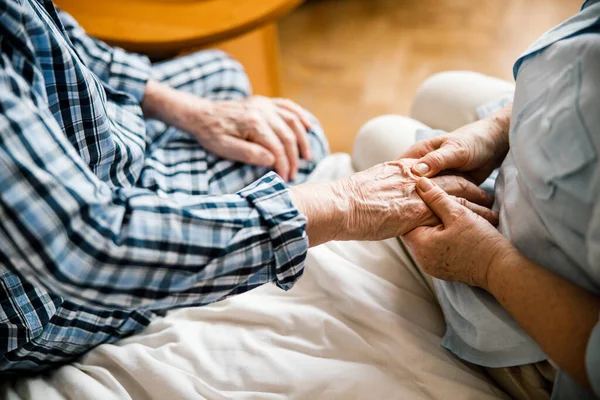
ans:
(545, 125)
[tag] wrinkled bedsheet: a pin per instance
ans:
(358, 325)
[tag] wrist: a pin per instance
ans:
(502, 262)
(152, 99)
(174, 107)
(499, 133)
(344, 210)
(324, 209)
(500, 120)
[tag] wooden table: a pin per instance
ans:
(166, 28)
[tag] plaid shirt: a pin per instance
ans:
(106, 218)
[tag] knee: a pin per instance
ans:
(439, 90)
(383, 139)
(448, 100)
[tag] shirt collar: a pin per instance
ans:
(587, 3)
(587, 17)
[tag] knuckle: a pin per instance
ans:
(463, 184)
(279, 151)
(463, 202)
(293, 120)
(485, 196)
(438, 196)
(288, 139)
(460, 149)
(287, 117)
(457, 214)
(253, 119)
(436, 160)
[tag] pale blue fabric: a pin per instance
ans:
(547, 193)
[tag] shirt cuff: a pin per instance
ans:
(129, 73)
(286, 227)
(592, 359)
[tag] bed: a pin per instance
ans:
(354, 327)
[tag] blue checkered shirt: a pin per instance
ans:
(106, 218)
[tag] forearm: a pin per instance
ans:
(500, 121)
(557, 314)
(209, 248)
(324, 209)
(172, 106)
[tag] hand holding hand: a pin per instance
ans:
(475, 149)
(384, 202)
(378, 203)
(462, 248)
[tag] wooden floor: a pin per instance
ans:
(350, 60)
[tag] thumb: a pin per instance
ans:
(446, 157)
(440, 202)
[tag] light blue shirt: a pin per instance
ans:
(547, 193)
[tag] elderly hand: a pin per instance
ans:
(378, 203)
(462, 248)
(476, 149)
(256, 130)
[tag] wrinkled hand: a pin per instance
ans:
(475, 149)
(257, 130)
(462, 248)
(384, 202)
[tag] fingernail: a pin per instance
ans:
(421, 168)
(425, 184)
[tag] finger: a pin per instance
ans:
(422, 147)
(441, 203)
(268, 139)
(464, 175)
(413, 237)
(299, 130)
(288, 139)
(421, 236)
(461, 187)
(491, 216)
(296, 109)
(448, 156)
(235, 149)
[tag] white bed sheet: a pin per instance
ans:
(356, 326)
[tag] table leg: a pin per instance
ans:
(258, 51)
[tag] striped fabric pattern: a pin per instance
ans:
(107, 219)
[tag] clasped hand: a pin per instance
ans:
(464, 245)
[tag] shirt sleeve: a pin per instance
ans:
(593, 347)
(127, 248)
(121, 70)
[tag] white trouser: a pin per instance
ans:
(446, 101)
(361, 323)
